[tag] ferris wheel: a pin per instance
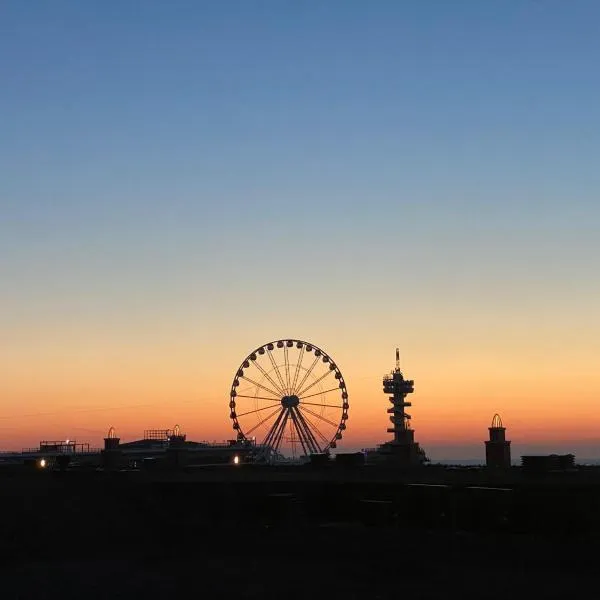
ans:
(290, 396)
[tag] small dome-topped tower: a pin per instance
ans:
(111, 455)
(111, 441)
(497, 448)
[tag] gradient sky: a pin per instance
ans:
(183, 181)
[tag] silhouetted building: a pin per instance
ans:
(177, 451)
(322, 459)
(111, 441)
(350, 460)
(497, 448)
(547, 463)
(176, 438)
(170, 448)
(111, 455)
(402, 450)
(63, 447)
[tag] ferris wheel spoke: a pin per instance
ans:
(261, 386)
(326, 441)
(251, 412)
(286, 359)
(320, 394)
(328, 421)
(310, 438)
(245, 389)
(276, 369)
(308, 372)
(317, 404)
(315, 383)
(297, 372)
(267, 376)
(311, 424)
(255, 397)
(263, 421)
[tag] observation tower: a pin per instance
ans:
(403, 448)
(398, 388)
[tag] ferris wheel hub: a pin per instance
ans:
(290, 401)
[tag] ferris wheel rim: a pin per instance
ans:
(291, 397)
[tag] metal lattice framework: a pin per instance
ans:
(290, 404)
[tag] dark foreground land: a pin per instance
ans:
(130, 535)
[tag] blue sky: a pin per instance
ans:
(227, 122)
(186, 159)
(175, 99)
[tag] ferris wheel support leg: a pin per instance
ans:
(281, 429)
(299, 431)
(310, 435)
(305, 439)
(268, 441)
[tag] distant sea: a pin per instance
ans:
(467, 462)
(471, 462)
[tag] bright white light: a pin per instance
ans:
(67, 441)
(43, 463)
(236, 460)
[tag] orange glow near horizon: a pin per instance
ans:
(166, 208)
(57, 396)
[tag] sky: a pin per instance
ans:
(184, 181)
